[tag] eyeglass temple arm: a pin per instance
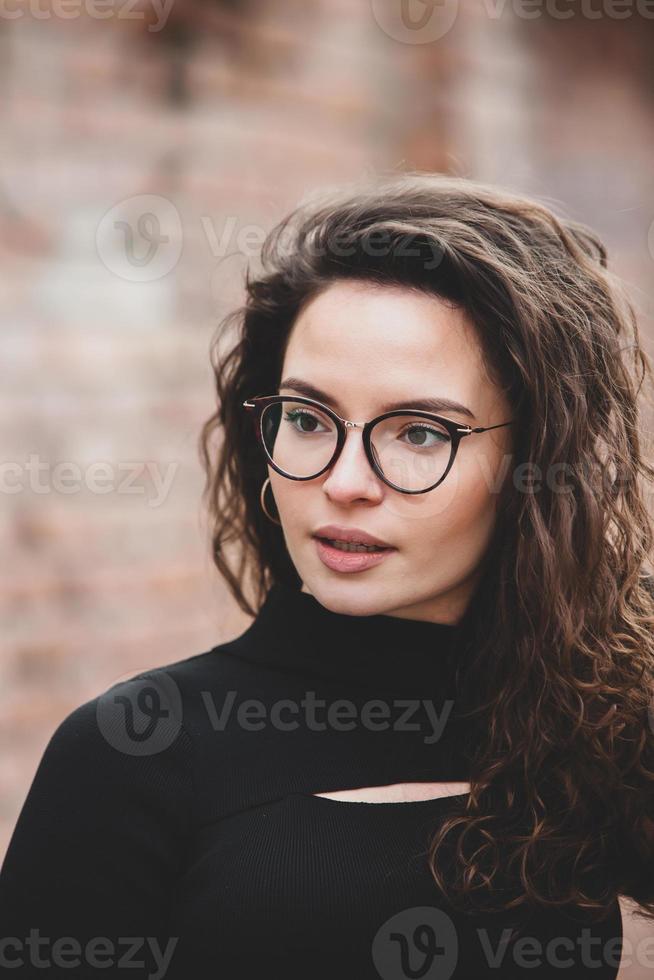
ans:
(484, 428)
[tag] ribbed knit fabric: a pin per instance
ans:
(178, 808)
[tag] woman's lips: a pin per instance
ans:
(349, 561)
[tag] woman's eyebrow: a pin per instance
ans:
(425, 404)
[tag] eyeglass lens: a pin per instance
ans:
(412, 452)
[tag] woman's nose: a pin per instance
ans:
(352, 475)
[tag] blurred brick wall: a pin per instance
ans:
(232, 117)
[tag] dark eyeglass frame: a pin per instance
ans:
(456, 431)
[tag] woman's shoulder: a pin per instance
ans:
(126, 743)
(147, 721)
(143, 714)
(134, 745)
(112, 800)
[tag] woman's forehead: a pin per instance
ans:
(349, 321)
(408, 346)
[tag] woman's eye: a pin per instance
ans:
(306, 422)
(424, 437)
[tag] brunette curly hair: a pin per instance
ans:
(557, 675)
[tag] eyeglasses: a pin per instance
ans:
(410, 450)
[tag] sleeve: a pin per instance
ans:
(87, 881)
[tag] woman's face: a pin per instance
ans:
(365, 346)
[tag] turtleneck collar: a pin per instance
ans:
(294, 631)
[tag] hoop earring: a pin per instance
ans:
(263, 503)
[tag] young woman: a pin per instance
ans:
(430, 754)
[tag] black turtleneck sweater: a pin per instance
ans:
(171, 829)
